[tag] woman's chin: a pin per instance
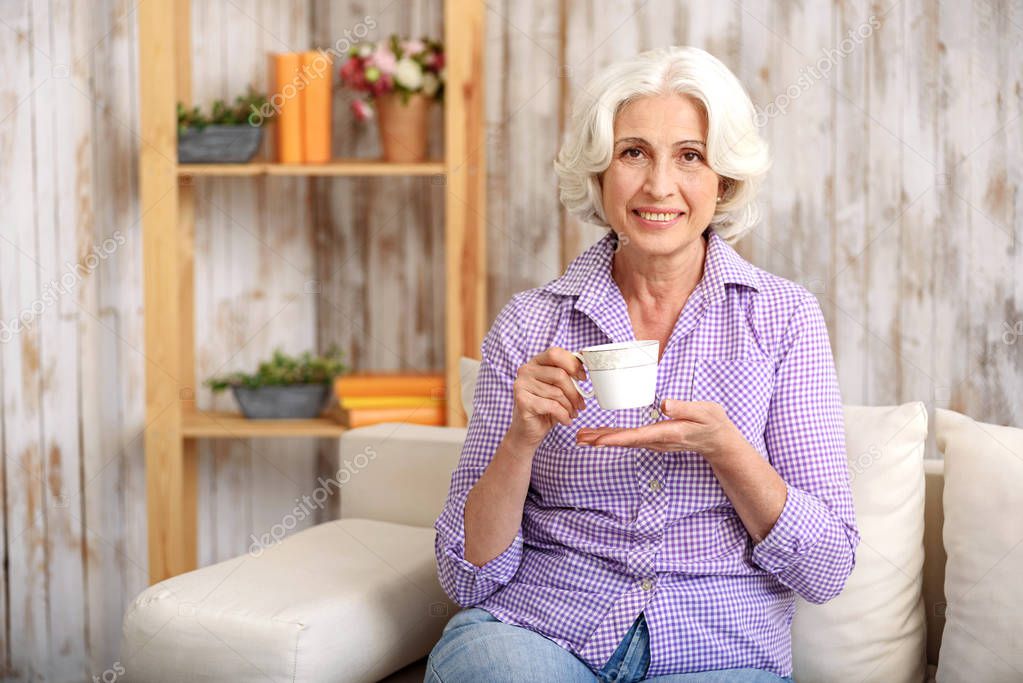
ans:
(647, 243)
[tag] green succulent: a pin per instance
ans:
(221, 114)
(283, 369)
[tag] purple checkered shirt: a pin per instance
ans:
(607, 533)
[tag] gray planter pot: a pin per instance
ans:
(219, 144)
(290, 402)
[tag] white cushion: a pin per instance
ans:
(468, 369)
(983, 501)
(351, 600)
(874, 630)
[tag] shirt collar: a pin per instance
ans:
(589, 275)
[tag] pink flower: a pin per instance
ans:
(412, 47)
(383, 59)
(362, 111)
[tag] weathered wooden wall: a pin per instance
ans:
(895, 197)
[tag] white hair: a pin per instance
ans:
(735, 150)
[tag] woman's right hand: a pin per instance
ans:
(545, 395)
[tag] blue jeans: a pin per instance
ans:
(476, 646)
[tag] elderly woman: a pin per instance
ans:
(671, 545)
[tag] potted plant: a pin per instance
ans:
(285, 387)
(226, 135)
(401, 77)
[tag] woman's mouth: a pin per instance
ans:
(655, 219)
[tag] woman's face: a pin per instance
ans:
(659, 164)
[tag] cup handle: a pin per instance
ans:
(582, 392)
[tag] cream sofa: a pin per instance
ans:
(358, 600)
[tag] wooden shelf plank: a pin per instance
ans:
(225, 425)
(337, 167)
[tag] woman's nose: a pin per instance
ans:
(660, 183)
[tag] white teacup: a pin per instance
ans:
(624, 374)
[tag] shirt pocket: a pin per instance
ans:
(743, 387)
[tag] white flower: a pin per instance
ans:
(365, 50)
(430, 84)
(408, 73)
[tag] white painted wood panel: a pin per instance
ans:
(895, 197)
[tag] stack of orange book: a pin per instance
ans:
(370, 398)
(301, 98)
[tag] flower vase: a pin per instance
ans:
(403, 126)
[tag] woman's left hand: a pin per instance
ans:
(701, 426)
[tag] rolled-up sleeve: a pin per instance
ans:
(493, 400)
(812, 546)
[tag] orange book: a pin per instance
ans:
(286, 97)
(317, 70)
(393, 384)
(360, 417)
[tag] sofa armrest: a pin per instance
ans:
(399, 472)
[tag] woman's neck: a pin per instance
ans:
(662, 281)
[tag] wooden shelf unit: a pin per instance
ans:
(224, 425)
(336, 167)
(173, 424)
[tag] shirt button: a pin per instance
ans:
(654, 413)
(655, 485)
(647, 584)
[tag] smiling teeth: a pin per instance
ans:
(658, 216)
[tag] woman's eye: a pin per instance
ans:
(691, 156)
(627, 153)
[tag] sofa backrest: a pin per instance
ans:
(401, 472)
(397, 472)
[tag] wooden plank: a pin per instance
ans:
(338, 167)
(112, 348)
(920, 219)
(885, 204)
(715, 28)
(172, 548)
(523, 234)
(953, 292)
(225, 424)
(760, 78)
(1013, 319)
(801, 186)
(67, 242)
(994, 135)
(847, 283)
(465, 153)
(27, 574)
(186, 268)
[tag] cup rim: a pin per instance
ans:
(620, 346)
